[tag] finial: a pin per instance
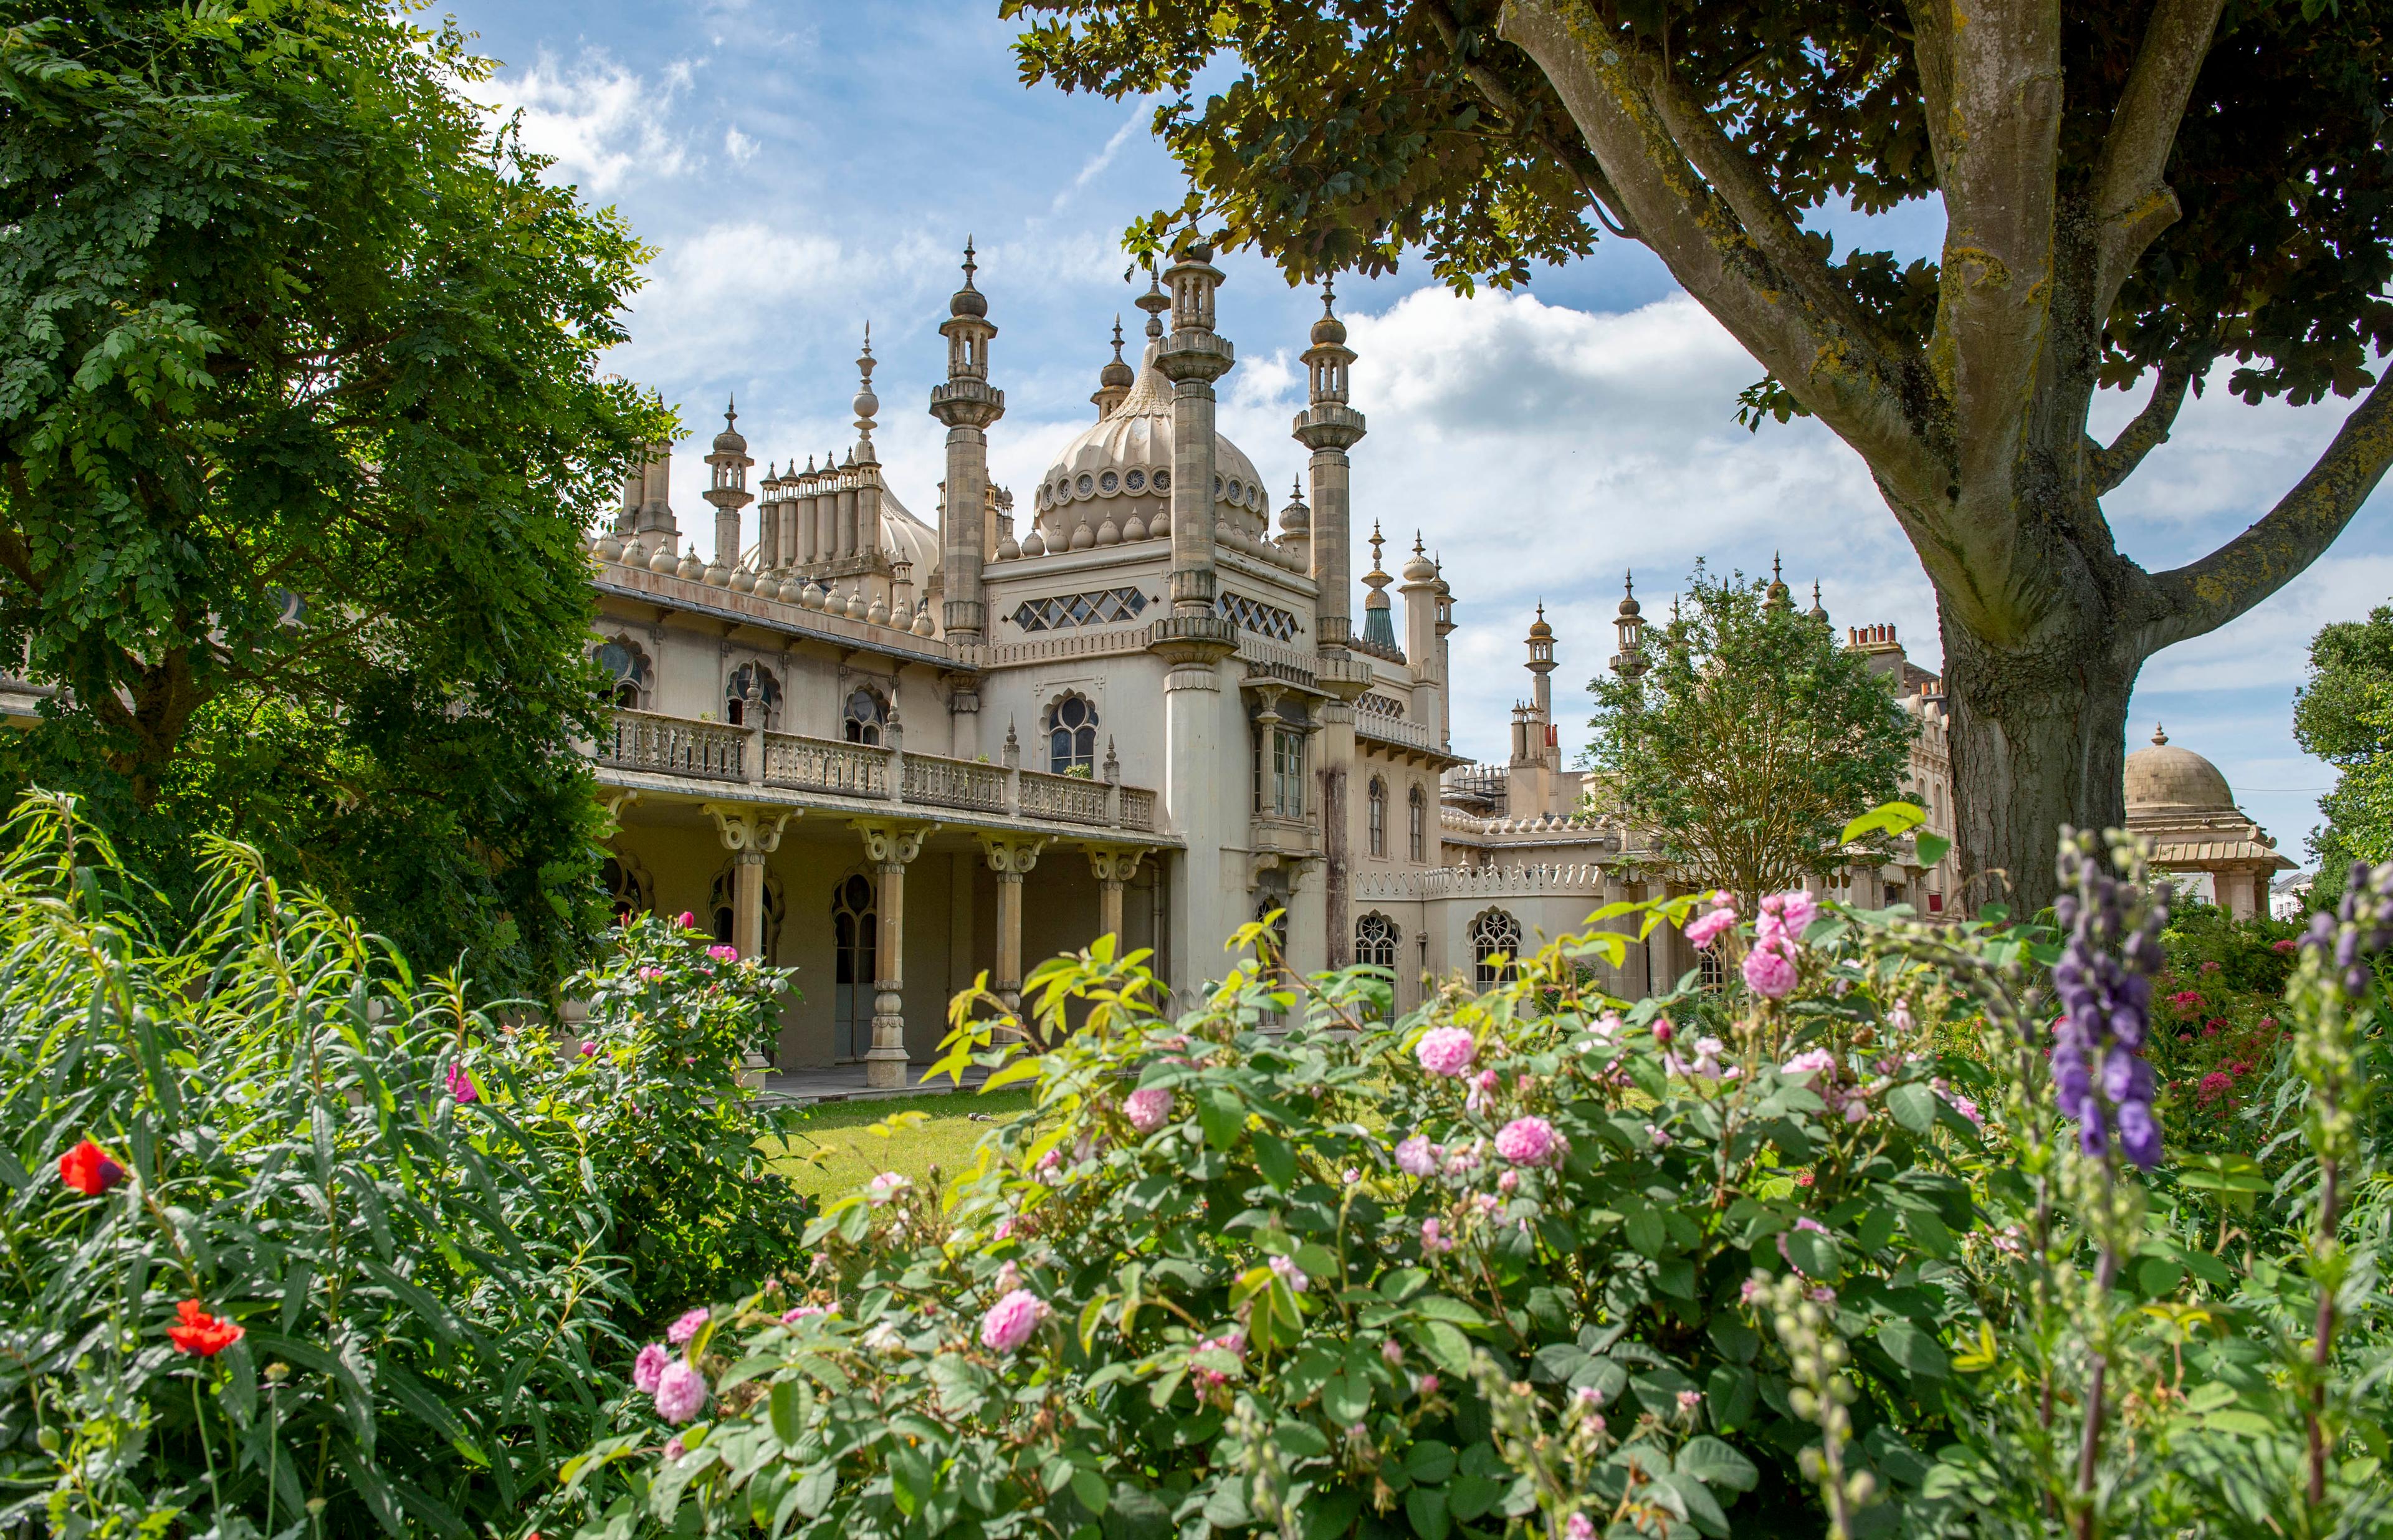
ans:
(2160, 734)
(1774, 574)
(1628, 583)
(970, 266)
(1541, 609)
(1118, 338)
(1376, 544)
(1329, 294)
(1154, 301)
(731, 410)
(1418, 549)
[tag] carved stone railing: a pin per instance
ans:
(1566, 880)
(679, 746)
(954, 783)
(1066, 799)
(675, 746)
(826, 765)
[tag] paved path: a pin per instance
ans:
(846, 1083)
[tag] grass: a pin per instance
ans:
(834, 1146)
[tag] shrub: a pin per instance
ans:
(1529, 1259)
(296, 1243)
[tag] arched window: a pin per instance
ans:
(1417, 826)
(1375, 815)
(752, 680)
(1711, 974)
(628, 664)
(854, 929)
(1374, 944)
(1493, 935)
(1072, 736)
(626, 888)
(722, 917)
(867, 715)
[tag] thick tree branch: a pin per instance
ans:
(1699, 237)
(1507, 104)
(2130, 200)
(1994, 315)
(2262, 559)
(2108, 467)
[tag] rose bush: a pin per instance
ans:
(298, 1243)
(1831, 1259)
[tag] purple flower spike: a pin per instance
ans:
(2100, 1079)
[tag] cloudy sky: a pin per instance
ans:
(803, 166)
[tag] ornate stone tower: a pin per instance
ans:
(1207, 808)
(1330, 427)
(726, 489)
(967, 404)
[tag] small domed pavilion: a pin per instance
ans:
(2180, 801)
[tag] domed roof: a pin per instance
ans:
(2166, 778)
(1122, 463)
(730, 440)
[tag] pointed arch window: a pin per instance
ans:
(1375, 815)
(752, 688)
(1417, 826)
(1375, 946)
(868, 716)
(628, 664)
(1495, 934)
(854, 933)
(1072, 736)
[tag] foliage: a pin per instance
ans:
(2215, 1027)
(1526, 1259)
(415, 1214)
(302, 402)
(2344, 714)
(2187, 184)
(1748, 739)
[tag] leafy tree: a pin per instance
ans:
(299, 399)
(2345, 716)
(2131, 189)
(1747, 738)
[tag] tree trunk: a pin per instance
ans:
(2038, 740)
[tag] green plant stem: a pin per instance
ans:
(200, 1421)
(2089, 1446)
(2322, 1341)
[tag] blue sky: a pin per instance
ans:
(803, 166)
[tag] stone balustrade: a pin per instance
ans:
(713, 751)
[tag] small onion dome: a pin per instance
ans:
(729, 440)
(1329, 329)
(1296, 518)
(1420, 569)
(1118, 375)
(1818, 610)
(968, 301)
(1539, 629)
(1629, 608)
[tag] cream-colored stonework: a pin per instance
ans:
(901, 756)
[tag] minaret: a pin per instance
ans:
(1421, 605)
(1541, 667)
(1330, 427)
(1780, 597)
(1113, 381)
(1629, 624)
(728, 489)
(1378, 627)
(967, 405)
(1296, 524)
(1205, 793)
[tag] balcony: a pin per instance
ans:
(655, 744)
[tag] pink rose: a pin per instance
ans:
(1291, 1274)
(674, 1448)
(1147, 1109)
(688, 920)
(1580, 1526)
(1689, 1399)
(460, 1085)
(681, 1390)
(1706, 928)
(1433, 1242)
(1508, 1182)
(1530, 1142)
(1417, 1158)
(792, 1317)
(1445, 1050)
(1769, 967)
(724, 954)
(1810, 1062)
(649, 1366)
(1012, 1320)
(1393, 1351)
(686, 1327)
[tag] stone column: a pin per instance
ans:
(890, 847)
(1112, 866)
(751, 833)
(1010, 856)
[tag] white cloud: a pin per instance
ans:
(1095, 164)
(739, 146)
(606, 124)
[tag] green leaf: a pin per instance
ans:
(1346, 1398)
(1430, 1461)
(1223, 1116)
(1715, 1463)
(1275, 1160)
(1916, 1350)
(788, 1410)
(1426, 1506)
(1090, 1489)
(1893, 818)
(1643, 1227)
(1913, 1107)
(1814, 1254)
(1438, 1307)
(1931, 848)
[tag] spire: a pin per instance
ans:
(1420, 569)
(1154, 301)
(866, 403)
(1115, 380)
(968, 301)
(1378, 625)
(1780, 597)
(1818, 611)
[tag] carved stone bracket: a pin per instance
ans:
(1012, 855)
(887, 844)
(747, 828)
(1116, 863)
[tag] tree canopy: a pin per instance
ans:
(2345, 716)
(2133, 189)
(1743, 739)
(299, 408)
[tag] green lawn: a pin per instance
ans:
(834, 1146)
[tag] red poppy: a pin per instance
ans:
(202, 1335)
(87, 1170)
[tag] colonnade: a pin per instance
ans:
(890, 845)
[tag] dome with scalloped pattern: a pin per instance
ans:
(1114, 481)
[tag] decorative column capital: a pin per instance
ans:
(746, 829)
(1116, 863)
(1012, 855)
(887, 844)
